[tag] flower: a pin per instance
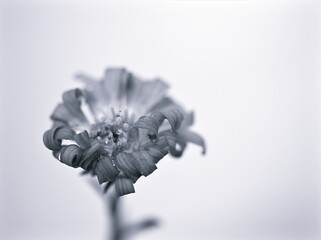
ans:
(119, 128)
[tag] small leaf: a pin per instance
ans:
(137, 227)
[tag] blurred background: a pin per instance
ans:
(249, 69)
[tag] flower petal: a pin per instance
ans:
(72, 102)
(50, 141)
(174, 116)
(145, 165)
(163, 104)
(148, 123)
(70, 155)
(94, 95)
(65, 133)
(82, 139)
(91, 155)
(149, 94)
(128, 165)
(188, 120)
(195, 138)
(124, 185)
(106, 170)
(115, 85)
(61, 113)
(176, 143)
(156, 153)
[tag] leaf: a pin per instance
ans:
(137, 227)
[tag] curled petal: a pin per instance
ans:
(176, 143)
(71, 155)
(148, 123)
(162, 143)
(193, 137)
(128, 165)
(90, 155)
(149, 158)
(159, 117)
(175, 117)
(156, 153)
(145, 165)
(82, 139)
(65, 133)
(50, 141)
(106, 170)
(124, 185)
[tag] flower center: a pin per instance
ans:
(112, 134)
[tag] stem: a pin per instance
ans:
(113, 205)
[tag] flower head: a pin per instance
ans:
(119, 128)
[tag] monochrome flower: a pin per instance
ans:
(119, 128)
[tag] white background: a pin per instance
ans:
(249, 69)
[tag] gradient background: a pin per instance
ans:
(251, 71)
